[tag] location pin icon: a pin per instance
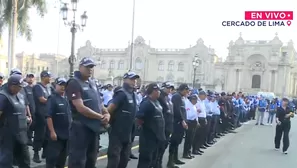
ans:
(288, 23)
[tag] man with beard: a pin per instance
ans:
(179, 124)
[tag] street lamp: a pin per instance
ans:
(196, 63)
(73, 29)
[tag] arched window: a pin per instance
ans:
(138, 64)
(181, 66)
(121, 65)
(160, 79)
(161, 66)
(170, 78)
(111, 65)
(103, 65)
(170, 66)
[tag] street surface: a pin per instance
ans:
(251, 147)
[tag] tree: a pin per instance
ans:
(24, 29)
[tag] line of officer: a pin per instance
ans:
(13, 124)
(179, 125)
(58, 122)
(87, 116)
(29, 94)
(152, 134)
(167, 106)
(122, 109)
(41, 92)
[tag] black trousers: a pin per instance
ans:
(252, 113)
(11, 148)
(282, 131)
(40, 133)
(118, 152)
(200, 134)
(56, 153)
(213, 124)
(159, 153)
(148, 144)
(190, 135)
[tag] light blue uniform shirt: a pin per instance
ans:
(215, 108)
(208, 107)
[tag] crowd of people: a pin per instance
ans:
(66, 119)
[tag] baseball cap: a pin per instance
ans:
(87, 61)
(151, 87)
(16, 79)
(202, 92)
(183, 87)
(60, 81)
(30, 75)
(15, 71)
(45, 74)
(1, 75)
(131, 75)
(108, 85)
(167, 85)
(193, 97)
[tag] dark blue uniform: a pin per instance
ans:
(30, 98)
(59, 110)
(122, 122)
(153, 131)
(40, 117)
(83, 136)
(13, 130)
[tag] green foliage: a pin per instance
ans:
(24, 6)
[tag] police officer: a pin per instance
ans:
(192, 116)
(153, 126)
(58, 122)
(87, 116)
(167, 106)
(1, 80)
(179, 124)
(29, 95)
(41, 92)
(13, 124)
(122, 109)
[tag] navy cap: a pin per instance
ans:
(183, 87)
(45, 74)
(167, 85)
(30, 75)
(151, 87)
(131, 75)
(15, 71)
(1, 75)
(193, 97)
(108, 85)
(202, 92)
(60, 81)
(16, 79)
(87, 61)
(223, 94)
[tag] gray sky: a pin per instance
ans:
(165, 23)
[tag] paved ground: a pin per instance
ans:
(252, 147)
